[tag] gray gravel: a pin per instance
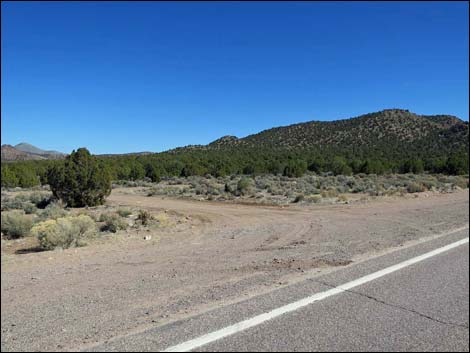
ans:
(424, 307)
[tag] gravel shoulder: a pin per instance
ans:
(223, 253)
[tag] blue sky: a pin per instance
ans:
(122, 77)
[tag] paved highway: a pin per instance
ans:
(413, 299)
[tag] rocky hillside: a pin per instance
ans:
(396, 126)
(388, 132)
(25, 151)
(28, 148)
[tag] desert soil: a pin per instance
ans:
(220, 253)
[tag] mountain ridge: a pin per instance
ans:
(25, 151)
(372, 131)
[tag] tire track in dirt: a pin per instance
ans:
(94, 293)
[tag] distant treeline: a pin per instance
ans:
(247, 161)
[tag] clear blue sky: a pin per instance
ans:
(140, 76)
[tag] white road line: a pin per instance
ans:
(254, 321)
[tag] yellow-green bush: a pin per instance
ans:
(64, 232)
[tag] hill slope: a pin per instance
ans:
(24, 151)
(28, 148)
(10, 153)
(381, 130)
(390, 140)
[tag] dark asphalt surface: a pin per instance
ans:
(423, 307)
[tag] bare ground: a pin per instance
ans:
(221, 253)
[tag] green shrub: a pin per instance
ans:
(295, 168)
(9, 178)
(81, 181)
(299, 198)
(64, 232)
(16, 224)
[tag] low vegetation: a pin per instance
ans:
(56, 226)
(64, 232)
(310, 188)
(16, 224)
(112, 222)
(387, 142)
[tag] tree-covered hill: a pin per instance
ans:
(389, 141)
(393, 132)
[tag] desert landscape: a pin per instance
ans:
(199, 255)
(280, 176)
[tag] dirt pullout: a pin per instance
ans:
(65, 300)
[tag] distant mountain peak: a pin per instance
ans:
(29, 148)
(26, 151)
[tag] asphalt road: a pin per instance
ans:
(420, 307)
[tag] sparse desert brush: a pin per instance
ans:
(342, 198)
(105, 216)
(313, 198)
(12, 204)
(124, 212)
(152, 192)
(162, 219)
(429, 184)
(22, 197)
(415, 187)
(299, 198)
(200, 190)
(286, 188)
(244, 185)
(53, 211)
(329, 193)
(144, 217)
(16, 224)
(29, 208)
(112, 222)
(64, 232)
(40, 199)
(461, 181)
